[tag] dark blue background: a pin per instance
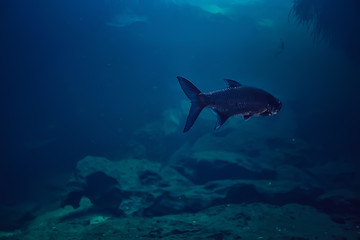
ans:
(72, 85)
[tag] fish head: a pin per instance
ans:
(273, 107)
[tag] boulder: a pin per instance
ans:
(128, 186)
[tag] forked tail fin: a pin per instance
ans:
(196, 105)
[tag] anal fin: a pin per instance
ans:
(221, 119)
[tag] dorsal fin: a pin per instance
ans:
(232, 83)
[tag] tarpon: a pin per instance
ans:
(235, 100)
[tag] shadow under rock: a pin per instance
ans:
(204, 171)
(103, 191)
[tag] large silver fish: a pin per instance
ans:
(235, 100)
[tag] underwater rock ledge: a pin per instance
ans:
(142, 188)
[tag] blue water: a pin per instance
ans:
(81, 77)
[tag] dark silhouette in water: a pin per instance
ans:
(281, 48)
(333, 20)
(103, 191)
(235, 100)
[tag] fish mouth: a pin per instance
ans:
(275, 109)
(279, 106)
(273, 113)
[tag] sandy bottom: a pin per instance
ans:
(251, 221)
